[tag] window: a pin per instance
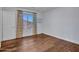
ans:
(27, 20)
(27, 23)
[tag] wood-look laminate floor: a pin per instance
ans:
(39, 43)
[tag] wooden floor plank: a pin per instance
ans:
(39, 43)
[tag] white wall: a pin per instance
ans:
(62, 23)
(39, 23)
(9, 22)
(0, 24)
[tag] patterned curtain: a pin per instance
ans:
(19, 32)
(34, 24)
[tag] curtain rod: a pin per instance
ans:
(29, 12)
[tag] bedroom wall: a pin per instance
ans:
(9, 22)
(0, 24)
(62, 23)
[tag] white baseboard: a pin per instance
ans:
(63, 38)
